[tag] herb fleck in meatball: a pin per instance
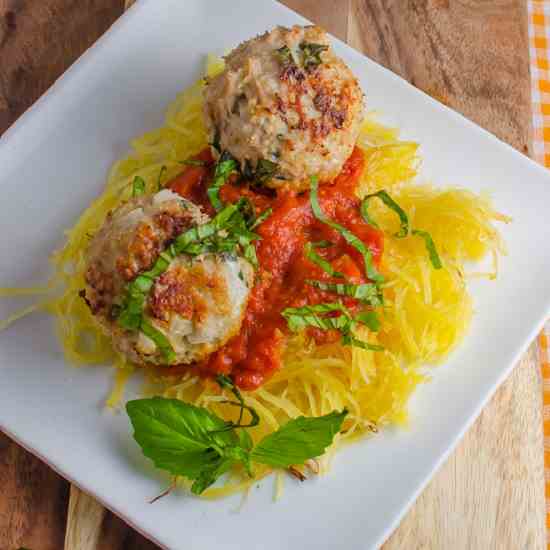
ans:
(286, 107)
(196, 304)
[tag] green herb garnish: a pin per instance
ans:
(298, 440)
(311, 54)
(284, 54)
(404, 220)
(159, 339)
(299, 318)
(430, 247)
(390, 203)
(261, 218)
(325, 265)
(367, 293)
(138, 186)
(225, 166)
(335, 316)
(226, 383)
(195, 443)
(351, 239)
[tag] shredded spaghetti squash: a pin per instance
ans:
(427, 312)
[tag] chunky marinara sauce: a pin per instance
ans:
(254, 354)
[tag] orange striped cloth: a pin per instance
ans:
(539, 53)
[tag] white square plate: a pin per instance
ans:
(54, 161)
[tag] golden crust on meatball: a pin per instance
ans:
(196, 304)
(286, 101)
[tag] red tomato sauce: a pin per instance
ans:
(252, 356)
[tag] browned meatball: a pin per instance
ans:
(197, 304)
(286, 101)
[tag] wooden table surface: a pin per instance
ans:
(469, 54)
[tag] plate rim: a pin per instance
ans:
(16, 131)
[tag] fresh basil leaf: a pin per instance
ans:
(162, 343)
(179, 437)
(225, 166)
(325, 265)
(311, 54)
(249, 253)
(130, 314)
(430, 247)
(245, 441)
(284, 55)
(369, 319)
(390, 203)
(349, 340)
(298, 440)
(261, 218)
(351, 239)
(138, 186)
(205, 238)
(367, 293)
(211, 472)
(299, 318)
(404, 230)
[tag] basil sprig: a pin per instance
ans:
(299, 318)
(405, 226)
(195, 443)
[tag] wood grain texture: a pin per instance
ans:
(332, 15)
(84, 519)
(470, 54)
(39, 39)
(33, 501)
(490, 493)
